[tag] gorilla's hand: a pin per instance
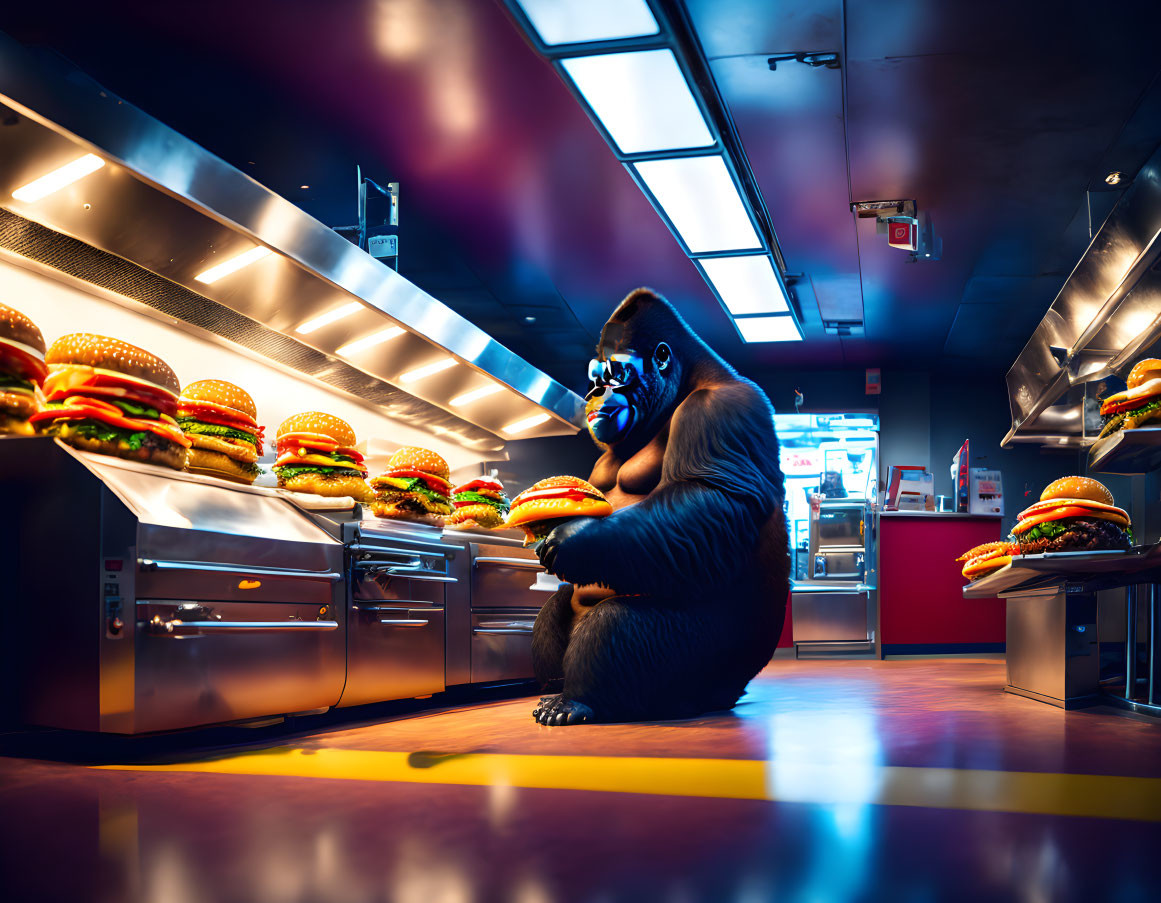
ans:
(563, 552)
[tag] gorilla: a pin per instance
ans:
(674, 602)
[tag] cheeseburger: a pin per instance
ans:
(480, 503)
(219, 419)
(1074, 514)
(545, 505)
(22, 369)
(316, 454)
(105, 395)
(414, 486)
(987, 559)
(1138, 404)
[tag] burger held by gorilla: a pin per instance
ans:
(675, 601)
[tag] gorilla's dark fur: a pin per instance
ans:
(694, 559)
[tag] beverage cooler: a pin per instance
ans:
(830, 463)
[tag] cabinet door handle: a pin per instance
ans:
(531, 564)
(400, 622)
(511, 628)
(243, 570)
(160, 628)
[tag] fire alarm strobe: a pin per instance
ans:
(903, 232)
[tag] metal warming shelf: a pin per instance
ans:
(1030, 571)
(1128, 452)
(1107, 312)
(141, 599)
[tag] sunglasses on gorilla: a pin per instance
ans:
(616, 370)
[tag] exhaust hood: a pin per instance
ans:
(87, 175)
(1107, 313)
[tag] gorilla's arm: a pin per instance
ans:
(720, 482)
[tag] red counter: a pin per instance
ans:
(921, 605)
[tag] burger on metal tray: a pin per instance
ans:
(22, 370)
(104, 395)
(316, 454)
(219, 418)
(479, 503)
(414, 487)
(1074, 514)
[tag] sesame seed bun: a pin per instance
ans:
(421, 459)
(1077, 488)
(220, 392)
(16, 327)
(318, 422)
(112, 354)
(1143, 371)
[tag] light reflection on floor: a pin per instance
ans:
(835, 735)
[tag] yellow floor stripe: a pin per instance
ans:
(1100, 796)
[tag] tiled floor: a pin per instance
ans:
(899, 780)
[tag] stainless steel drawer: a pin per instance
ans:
(502, 646)
(383, 572)
(503, 577)
(395, 650)
(228, 582)
(203, 662)
(826, 617)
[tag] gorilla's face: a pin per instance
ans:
(630, 390)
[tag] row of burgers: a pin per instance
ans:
(1077, 514)
(1074, 514)
(103, 395)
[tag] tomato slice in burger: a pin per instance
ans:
(21, 363)
(206, 416)
(1041, 517)
(72, 378)
(227, 416)
(84, 410)
(493, 485)
(433, 482)
(307, 440)
(562, 493)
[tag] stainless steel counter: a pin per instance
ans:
(142, 599)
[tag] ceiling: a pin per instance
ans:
(995, 117)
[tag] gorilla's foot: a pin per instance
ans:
(557, 710)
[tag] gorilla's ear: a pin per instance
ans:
(662, 357)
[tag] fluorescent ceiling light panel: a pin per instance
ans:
(700, 199)
(214, 273)
(578, 21)
(768, 329)
(59, 178)
(426, 370)
(642, 99)
(370, 341)
(331, 316)
(746, 285)
(475, 395)
(527, 423)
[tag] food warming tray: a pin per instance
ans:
(143, 599)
